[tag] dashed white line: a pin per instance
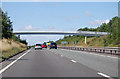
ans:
(104, 75)
(74, 61)
(5, 68)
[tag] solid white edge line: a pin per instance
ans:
(61, 55)
(74, 61)
(93, 54)
(104, 75)
(5, 68)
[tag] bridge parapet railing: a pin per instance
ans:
(96, 50)
(92, 32)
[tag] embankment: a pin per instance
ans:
(10, 48)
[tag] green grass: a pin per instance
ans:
(91, 41)
(11, 52)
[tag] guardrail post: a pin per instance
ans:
(115, 51)
(80, 48)
(85, 39)
(100, 50)
(90, 49)
(95, 50)
(83, 49)
(103, 51)
(86, 49)
(111, 51)
(74, 48)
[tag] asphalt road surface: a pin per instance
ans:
(60, 63)
(100, 62)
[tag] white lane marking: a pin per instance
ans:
(113, 57)
(74, 61)
(5, 68)
(97, 54)
(92, 54)
(61, 55)
(104, 75)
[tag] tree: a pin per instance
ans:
(113, 39)
(6, 25)
(87, 29)
(113, 28)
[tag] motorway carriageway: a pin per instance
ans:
(60, 63)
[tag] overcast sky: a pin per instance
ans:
(57, 16)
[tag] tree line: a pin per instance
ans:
(112, 27)
(7, 27)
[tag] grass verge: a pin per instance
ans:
(6, 54)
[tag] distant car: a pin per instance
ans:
(48, 44)
(38, 46)
(53, 45)
(44, 46)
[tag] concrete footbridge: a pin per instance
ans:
(82, 33)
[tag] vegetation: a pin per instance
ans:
(10, 48)
(113, 28)
(6, 25)
(11, 52)
(109, 40)
(10, 44)
(7, 28)
(87, 29)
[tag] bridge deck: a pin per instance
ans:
(83, 33)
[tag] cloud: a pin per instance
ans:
(99, 22)
(107, 21)
(29, 28)
(88, 14)
(96, 22)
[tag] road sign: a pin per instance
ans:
(64, 42)
(75, 42)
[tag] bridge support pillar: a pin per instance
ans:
(85, 39)
(18, 36)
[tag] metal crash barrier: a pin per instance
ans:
(113, 51)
